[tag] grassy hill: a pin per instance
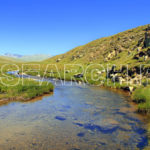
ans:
(32, 58)
(119, 48)
(27, 58)
(5, 60)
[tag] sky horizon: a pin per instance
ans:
(56, 26)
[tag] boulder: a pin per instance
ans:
(129, 88)
(79, 82)
(80, 75)
(99, 72)
(111, 55)
(23, 73)
(103, 71)
(38, 75)
(145, 58)
(136, 80)
(121, 80)
(80, 56)
(58, 60)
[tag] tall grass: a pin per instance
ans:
(25, 90)
(142, 97)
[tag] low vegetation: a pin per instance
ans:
(23, 89)
(142, 97)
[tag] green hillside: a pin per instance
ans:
(5, 60)
(34, 58)
(119, 48)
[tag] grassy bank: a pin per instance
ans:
(142, 97)
(23, 89)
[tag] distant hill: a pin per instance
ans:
(13, 55)
(127, 47)
(5, 60)
(28, 58)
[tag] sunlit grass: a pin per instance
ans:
(24, 89)
(142, 97)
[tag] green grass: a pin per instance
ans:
(25, 89)
(4, 59)
(142, 97)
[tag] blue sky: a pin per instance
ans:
(56, 26)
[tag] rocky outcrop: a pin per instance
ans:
(147, 38)
(142, 54)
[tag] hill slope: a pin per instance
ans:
(37, 57)
(120, 48)
(5, 60)
(28, 58)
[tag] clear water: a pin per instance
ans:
(72, 118)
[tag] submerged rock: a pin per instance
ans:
(60, 118)
(81, 134)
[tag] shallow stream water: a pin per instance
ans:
(76, 117)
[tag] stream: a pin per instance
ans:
(74, 117)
